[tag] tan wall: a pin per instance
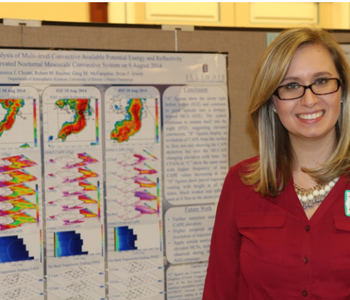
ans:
(239, 14)
(48, 11)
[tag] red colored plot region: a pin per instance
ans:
(17, 220)
(145, 195)
(12, 107)
(81, 108)
(84, 199)
(86, 173)
(17, 176)
(146, 209)
(131, 124)
(149, 171)
(87, 186)
(145, 182)
(75, 216)
(17, 191)
(86, 159)
(17, 162)
(16, 206)
(75, 188)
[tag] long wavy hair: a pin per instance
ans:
(270, 174)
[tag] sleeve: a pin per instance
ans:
(222, 278)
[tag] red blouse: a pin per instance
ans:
(267, 249)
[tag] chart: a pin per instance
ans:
(19, 192)
(134, 191)
(70, 119)
(19, 117)
(132, 119)
(138, 279)
(78, 242)
(138, 237)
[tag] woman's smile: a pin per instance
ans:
(310, 116)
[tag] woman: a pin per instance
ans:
(282, 230)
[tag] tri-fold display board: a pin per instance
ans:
(113, 151)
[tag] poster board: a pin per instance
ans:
(243, 48)
(97, 149)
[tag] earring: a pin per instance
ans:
(274, 109)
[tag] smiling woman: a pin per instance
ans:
(304, 114)
(280, 219)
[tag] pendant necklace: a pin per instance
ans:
(308, 197)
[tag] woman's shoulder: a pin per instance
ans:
(240, 169)
(244, 166)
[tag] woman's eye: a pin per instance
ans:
(292, 86)
(321, 81)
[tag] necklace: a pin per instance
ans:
(308, 197)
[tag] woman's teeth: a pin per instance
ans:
(310, 116)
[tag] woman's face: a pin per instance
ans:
(311, 116)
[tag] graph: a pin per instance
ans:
(140, 293)
(15, 280)
(18, 123)
(75, 201)
(136, 279)
(12, 248)
(70, 161)
(85, 277)
(79, 289)
(78, 242)
(19, 192)
(23, 292)
(15, 162)
(73, 121)
(137, 237)
(136, 188)
(68, 243)
(75, 183)
(133, 120)
(135, 282)
(15, 177)
(76, 273)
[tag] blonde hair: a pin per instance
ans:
(270, 174)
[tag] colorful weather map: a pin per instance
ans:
(81, 109)
(19, 118)
(12, 107)
(132, 122)
(18, 193)
(71, 121)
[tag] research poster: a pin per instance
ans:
(21, 201)
(111, 165)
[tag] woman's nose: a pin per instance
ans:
(309, 99)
